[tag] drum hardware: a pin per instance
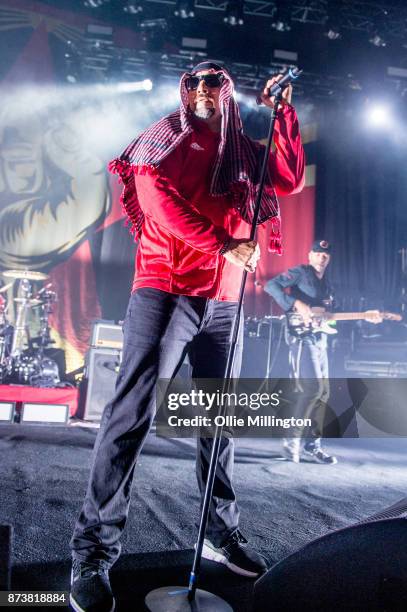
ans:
(18, 364)
(21, 329)
(44, 371)
(25, 274)
(6, 338)
(31, 302)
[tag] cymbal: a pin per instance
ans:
(6, 287)
(28, 274)
(29, 301)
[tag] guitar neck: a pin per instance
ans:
(357, 316)
(346, 316)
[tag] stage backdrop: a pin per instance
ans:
(59, 208)
(361, 205)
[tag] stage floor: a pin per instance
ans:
(43, 475)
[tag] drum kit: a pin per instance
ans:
(22, 358)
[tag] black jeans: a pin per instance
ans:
(159, 329)
(309, 363)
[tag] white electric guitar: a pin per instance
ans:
(323, 321)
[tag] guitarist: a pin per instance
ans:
(298, 290)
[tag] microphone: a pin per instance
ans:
(290, 75)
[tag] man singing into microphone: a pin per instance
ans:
(190, 183)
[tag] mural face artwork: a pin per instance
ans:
(54, 195)
(53, 190)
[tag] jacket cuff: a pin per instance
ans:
(225, 246)
(285, 109)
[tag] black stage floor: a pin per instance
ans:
(43, 474)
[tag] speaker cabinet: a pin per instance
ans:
(102, 367)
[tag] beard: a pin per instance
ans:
(203, 112)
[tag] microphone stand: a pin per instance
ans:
(191, 599)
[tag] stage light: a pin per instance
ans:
(280, 25)
(379, 115)
(377, 40)
(72, 58)
(234, 13)
(333, 33)
(133, 86)
(281, 17)
(93, 3)
(185, 9)
(154, 24)
(376, 29)
(332, 26)
(133, 8)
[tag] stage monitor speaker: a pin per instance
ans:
(7, 411)
(6, 543)
(363, 567)
(394, 511)
(102, 366)
(44, 413)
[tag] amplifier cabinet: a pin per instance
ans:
(385, 369)
(101, 370)
(106, 334)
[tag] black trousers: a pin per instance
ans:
(309, 364)
(159, 329)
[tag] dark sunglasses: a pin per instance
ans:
(210, 80)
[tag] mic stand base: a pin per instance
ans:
(175, 599)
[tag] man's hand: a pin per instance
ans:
(243, 253)
(304, 310)
(287, 92)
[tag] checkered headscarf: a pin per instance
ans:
(235, 171)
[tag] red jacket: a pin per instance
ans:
(185, 228)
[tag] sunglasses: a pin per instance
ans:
(210, 80)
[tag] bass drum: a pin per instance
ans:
(46, 374)
(25, 365)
